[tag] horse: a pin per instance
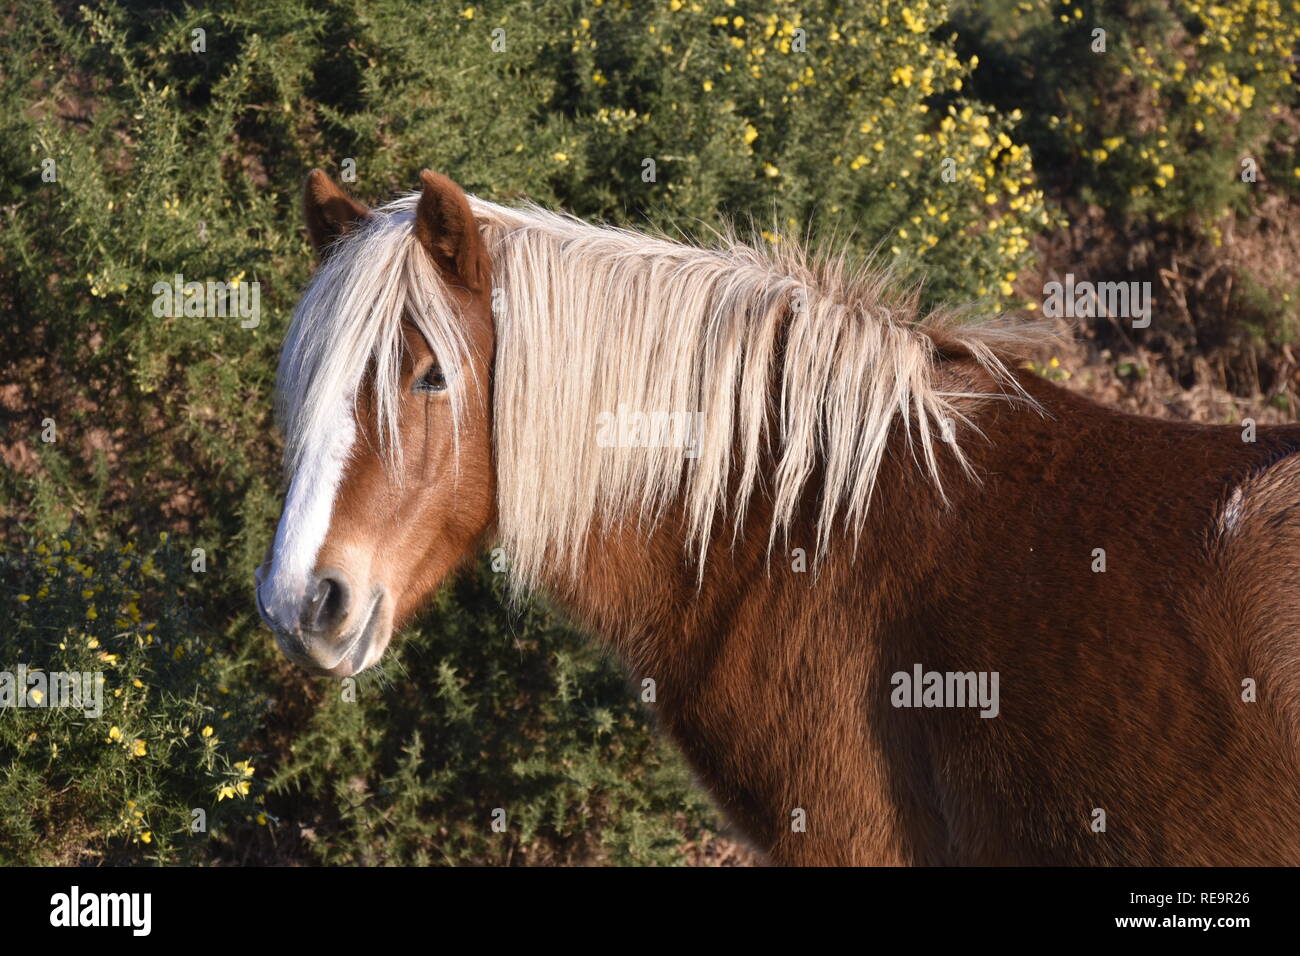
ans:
(901, 600)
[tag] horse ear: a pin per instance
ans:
(328, 211)
(446, 227)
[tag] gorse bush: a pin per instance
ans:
(848, 119)
(1160, 107)
(120, 735)
(1178, 122)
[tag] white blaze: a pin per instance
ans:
(305, 522)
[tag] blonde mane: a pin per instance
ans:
(589, 319)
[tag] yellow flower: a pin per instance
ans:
(146, 837)
(114, 733)
(37, 696)
(225, 793)
(140, 749)
(24, 597)
(468, 13)
(751, 134)
(207, 731)
(561, 157)
(708, 85)
(770, 171)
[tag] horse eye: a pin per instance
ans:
(432, 381)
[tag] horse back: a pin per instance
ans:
(1135, 583)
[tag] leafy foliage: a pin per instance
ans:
(1178, 123)
(123, 767)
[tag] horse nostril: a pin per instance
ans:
(327, 607)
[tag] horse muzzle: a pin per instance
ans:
(334, 634)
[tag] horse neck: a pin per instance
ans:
(762, 642)
(643, 592)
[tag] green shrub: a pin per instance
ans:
(1184, 131)
(117, 771)
(1158, 121)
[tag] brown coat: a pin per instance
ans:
(1120, 690)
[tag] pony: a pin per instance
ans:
(903, 602)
